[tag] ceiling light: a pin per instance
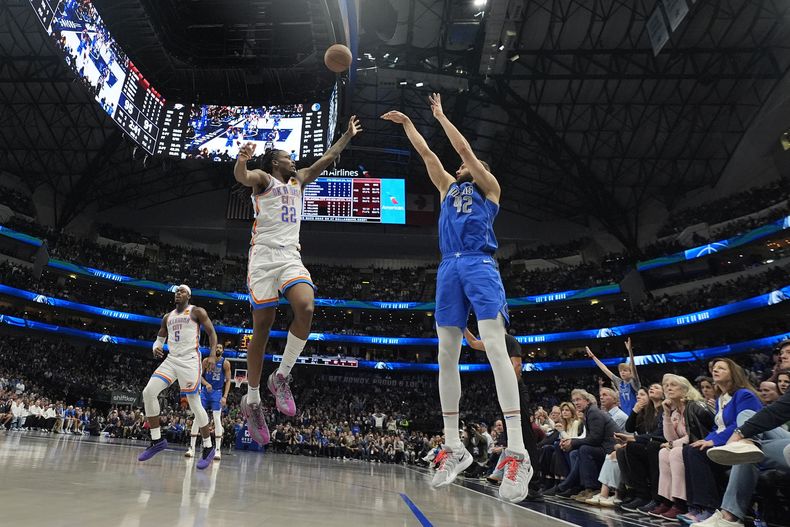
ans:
(480, 3)
(514, 58)
(501, 47)
(420, 84)
(403, 83)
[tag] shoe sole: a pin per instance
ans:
(463, 465)
(725, 457)
(210, 458)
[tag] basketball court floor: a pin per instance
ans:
(67, 480)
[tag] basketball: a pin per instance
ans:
(337, 58)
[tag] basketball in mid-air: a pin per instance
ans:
(337, 58)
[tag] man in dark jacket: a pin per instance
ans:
(592, 448)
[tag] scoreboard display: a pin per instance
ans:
(212, 132)
(359, 200)
(139, 110)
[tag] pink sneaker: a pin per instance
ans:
(256, 422)
(284, 399)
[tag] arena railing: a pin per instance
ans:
(763, 343)
(706, 315)
(149, 285)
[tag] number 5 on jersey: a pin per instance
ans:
(463, 204)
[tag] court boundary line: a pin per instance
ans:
(416, 511)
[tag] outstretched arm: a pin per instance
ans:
(439, 176)
(600, 364)
(630, 349)
(311, 173)
(249, 178)
(483, 178)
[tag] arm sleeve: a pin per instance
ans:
(743, 400)
(630, 424)
(769, 417)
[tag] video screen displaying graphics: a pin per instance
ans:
(89, 50)
(217, 132)
(364, 200)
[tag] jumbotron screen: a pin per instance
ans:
(219, 131)
(365, 200)
(95, 57)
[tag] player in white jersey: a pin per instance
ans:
(181, 328)
(275, 267)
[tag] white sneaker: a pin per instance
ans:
(189, 453)
(515, 480)
(737, 453)
(217, 456)
(609, 503)
(595, 500)
(451, 463)
(717, 520)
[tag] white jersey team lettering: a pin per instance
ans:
(278, 214)
(183, 333)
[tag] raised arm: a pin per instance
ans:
(483, 178)
(440, 178)
(249, 178)
(630, 349)
(600, 364)
(309, 174)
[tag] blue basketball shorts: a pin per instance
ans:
(210, 401)
(467, 281)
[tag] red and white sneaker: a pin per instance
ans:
(450, 463)
(515, 481)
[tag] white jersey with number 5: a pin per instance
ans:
(278, 214)
(183, 333)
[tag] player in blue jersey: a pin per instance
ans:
(468, 278)
(215, 385)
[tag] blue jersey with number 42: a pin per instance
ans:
(466, 221)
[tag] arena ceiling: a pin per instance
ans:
(577, 117)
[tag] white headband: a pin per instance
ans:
(189, 291)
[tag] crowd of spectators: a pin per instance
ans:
(727, 208)
(588, 448)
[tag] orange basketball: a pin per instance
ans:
(337, 58)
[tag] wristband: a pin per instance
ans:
(159, 343)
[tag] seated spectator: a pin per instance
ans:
(773, 452)
(610, 402)
(590, 450)
(708, 478)
(783, 381)
(769, 392)
(686, 419)
(644, 419)
(708, 391)
(555, 462)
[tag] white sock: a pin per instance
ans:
(206, 442)
(492, 332)
(192, 442)
(450, 383)
(293, 348)
(515, 439)
(156, 433)
(218, 442)
(451, 436)
(253, 395)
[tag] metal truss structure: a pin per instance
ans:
(565, 98)
(567, 101)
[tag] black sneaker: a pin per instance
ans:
(535, 496)
(567, 493)
(551, 491)
(649, 506)
(633, 505)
